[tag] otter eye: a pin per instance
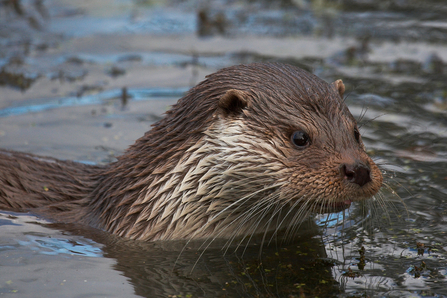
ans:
(300, 139)
(357, 134)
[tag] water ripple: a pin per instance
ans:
(98, 98)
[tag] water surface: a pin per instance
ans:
(82, 81)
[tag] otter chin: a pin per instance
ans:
(251, 149)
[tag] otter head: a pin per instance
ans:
(252, 148)
(286, 145)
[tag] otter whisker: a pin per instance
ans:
(392, 204)
(292, 208)
(235, 204)
(270, 200)
(320, 201)
(266, 227)
(248, 215)
(383, 205)
(296, 224)
(273, 201)
(279, 222)
(376, 207)
(210, 241)
(362, 115)
(275, 216)
(366, 122)
(379, 207)
(204, 226)
(387, 186)
(296, 221)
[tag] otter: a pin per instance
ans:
(253, 148)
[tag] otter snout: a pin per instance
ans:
(357, 173)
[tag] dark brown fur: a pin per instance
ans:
(151, 192)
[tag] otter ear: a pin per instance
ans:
(233, 102)
(339, 87)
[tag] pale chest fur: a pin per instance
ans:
(222, 182)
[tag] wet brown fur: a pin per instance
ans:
(219, 164)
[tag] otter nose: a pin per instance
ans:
(356, 173)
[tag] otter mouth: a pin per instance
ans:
(332, 207)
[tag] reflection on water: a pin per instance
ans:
(59, 246)
(158, 269)
(37, 261)
(44, 104)
(34, 236)
(95, 75)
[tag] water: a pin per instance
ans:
(83, 81)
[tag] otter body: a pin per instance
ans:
(251, 149)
